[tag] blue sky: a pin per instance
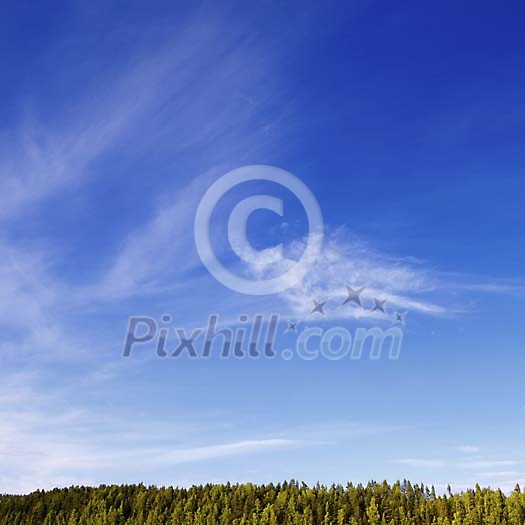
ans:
(406, 122)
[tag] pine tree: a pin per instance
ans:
(372, 513)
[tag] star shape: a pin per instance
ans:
(353, 296)
(318, 307)
(399, 318)
(379, 306)
(292, 326)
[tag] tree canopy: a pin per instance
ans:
(289, 503)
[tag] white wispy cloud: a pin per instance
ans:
(32, 306)
(406, 284)
(489, 463)
(477, 464)
(469, 449)
(509, 474)
(46, 441)
(37, 160)
(422, 463)
(155, 257)
(221, 116)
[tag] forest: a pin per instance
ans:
(289, 503)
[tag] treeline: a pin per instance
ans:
(282, 504)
